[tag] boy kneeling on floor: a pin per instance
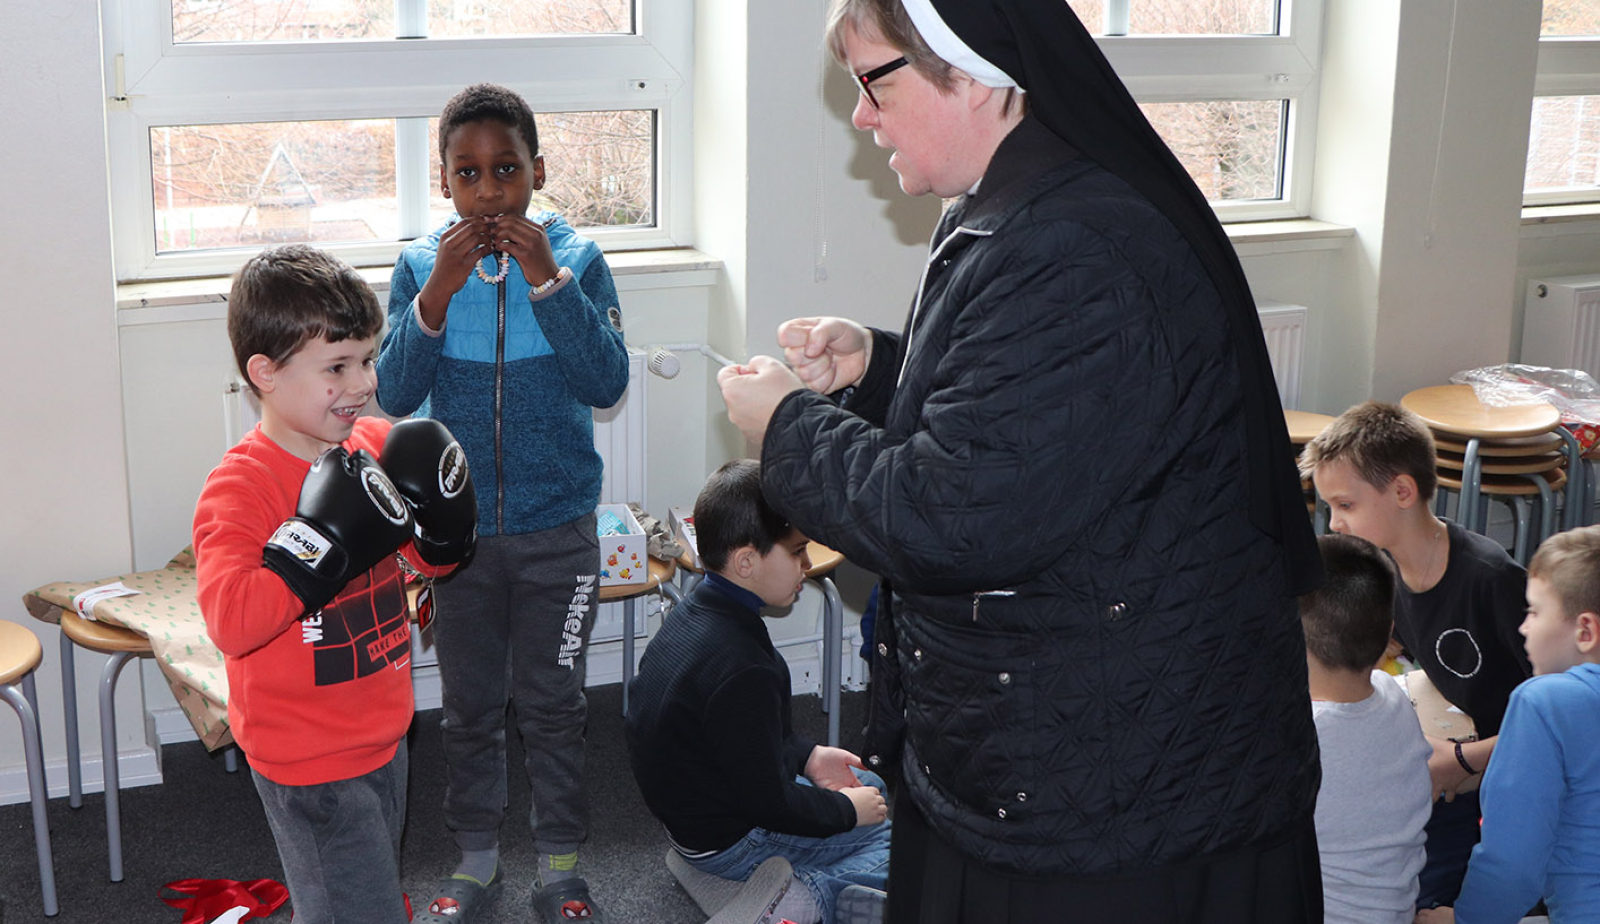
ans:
(710, 734)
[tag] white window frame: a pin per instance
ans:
(152, 81)
(1160, 69)
(1568, 66)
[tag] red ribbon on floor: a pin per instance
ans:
(209, 898)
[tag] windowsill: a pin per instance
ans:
(203, 298)
(1260, 238)
(1558, 220)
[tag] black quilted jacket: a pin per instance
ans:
(1097, 662)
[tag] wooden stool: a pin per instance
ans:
(120, 645)
(823, 561)
(658, 581)
(20, 654)
(1304, 426)
(1458, 418)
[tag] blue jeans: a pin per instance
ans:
(1453, 831)
(826, 865)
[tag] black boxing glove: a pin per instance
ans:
(429, 469)
(348, 518)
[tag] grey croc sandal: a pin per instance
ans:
(458, 901)
(566, 900)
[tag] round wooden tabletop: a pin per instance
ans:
(102, 636)
(1456, 409)
(1520, 446)
(1504, 465)
(1502, 485)
(19, 652)
(659, 571)
(1305, 425)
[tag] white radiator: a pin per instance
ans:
(1284, 327)
(1561, 323)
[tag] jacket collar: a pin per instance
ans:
(1024, 156)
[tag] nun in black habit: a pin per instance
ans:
(1071, 471)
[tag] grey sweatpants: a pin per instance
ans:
(515, 626)
(340, 844)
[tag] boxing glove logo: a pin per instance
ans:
(384, 497)
(452, 470)
(297, 538)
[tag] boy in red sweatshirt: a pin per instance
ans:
(295, 536)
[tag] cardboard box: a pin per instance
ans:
(622, 555)
(681, 521)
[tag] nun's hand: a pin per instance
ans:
(752, 391)
(827, 353)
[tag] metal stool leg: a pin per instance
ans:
(1472, 516)
(1521, 540)
(26, 704)
(1577, 491)
(832, 649)
(69, 700)
(108, 758)
(230, 760)
(627, 648)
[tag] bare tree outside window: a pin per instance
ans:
(1571, 18)
(242, 185)
(337, 20)
(1231, 148)
(1179, 17)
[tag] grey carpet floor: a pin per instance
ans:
(205, 823)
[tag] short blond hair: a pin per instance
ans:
(1569, 563)
(1381, 442)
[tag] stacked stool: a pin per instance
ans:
(20, 654)
(1517, 454)
(1303, 428)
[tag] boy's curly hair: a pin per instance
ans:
(488, 102)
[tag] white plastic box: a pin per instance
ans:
(622, 556)
(681, 521)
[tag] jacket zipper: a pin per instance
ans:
(499, 404)
(916, 306)
(979, 595)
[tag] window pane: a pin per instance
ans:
(599, 168)
(330, 20)
(1564, 144)
(1232, 148)
(281, 20)
(1571, 17)
(467, 18)
(249, 184)
(1178, 17)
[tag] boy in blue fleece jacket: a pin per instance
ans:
(505, 327)
(1541, 795)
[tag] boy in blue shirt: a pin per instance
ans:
(710, 734)
(505, 327)
(1541, 796)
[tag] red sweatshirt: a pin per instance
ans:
(310, 700)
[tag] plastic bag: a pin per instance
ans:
(1573, 392)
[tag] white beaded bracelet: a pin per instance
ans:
(550, 283)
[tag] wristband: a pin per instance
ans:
(1462, 760)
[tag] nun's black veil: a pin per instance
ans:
(1073, 90)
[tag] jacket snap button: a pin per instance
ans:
(1001, 813)
(1022, 797)
(917, 654)
(883, 650)
(927, 772)
(1117, 610)
(1005, 677)
(873, 760)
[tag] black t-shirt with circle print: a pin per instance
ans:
(1463, 630)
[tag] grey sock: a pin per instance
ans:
(478, 865)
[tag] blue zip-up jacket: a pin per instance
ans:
(514, 383)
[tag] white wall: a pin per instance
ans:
(63, 478)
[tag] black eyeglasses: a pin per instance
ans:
(866, 79)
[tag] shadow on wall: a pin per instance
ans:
(913, 217)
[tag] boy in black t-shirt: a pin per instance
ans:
(1457, 606)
